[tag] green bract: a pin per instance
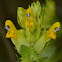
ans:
(21, 12)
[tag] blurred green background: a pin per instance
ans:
(8, 10)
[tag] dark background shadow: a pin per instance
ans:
(8, 10)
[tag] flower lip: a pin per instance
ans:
(7, 28)
(57, 29)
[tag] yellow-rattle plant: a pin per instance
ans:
(37, 30)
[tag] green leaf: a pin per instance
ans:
(25, 54)
(41, 60)
(41, 42)
(28, 54)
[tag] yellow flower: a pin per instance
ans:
(51, 34)
(11, 29)
(29, 19)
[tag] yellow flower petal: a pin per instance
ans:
(51, 34)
